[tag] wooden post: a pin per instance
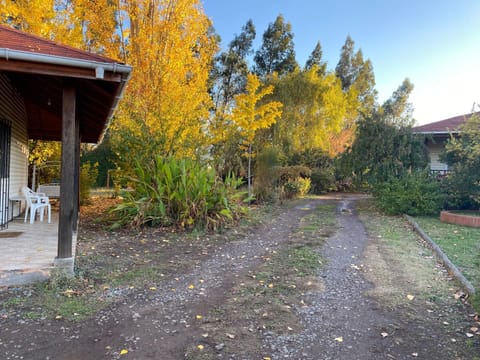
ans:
(70, 139)
(76, 192)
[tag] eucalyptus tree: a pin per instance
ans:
(228, 79)
(315, 58)
(277, 52)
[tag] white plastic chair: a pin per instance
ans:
(36, 201)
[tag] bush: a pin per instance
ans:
(265, 174)
(323, 180)
(181, 193)
(298, 187)
(88, 177)
(413, 194)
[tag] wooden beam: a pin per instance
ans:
(70, 139)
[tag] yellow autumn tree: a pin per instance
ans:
(166, 107)
(169, 45)
(250, 115)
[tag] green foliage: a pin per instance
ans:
(178, 192)
(88, 176)
(414, 194)
(383, 149)
(291, 173)
(322, 180)
(293, 181)
(314, 109)
(277, 53)
(105, 158)
(266, 174)
(315, 59)
(462, 154)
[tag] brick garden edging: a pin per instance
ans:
(452, 269)
(459, 219)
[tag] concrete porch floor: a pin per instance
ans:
(28, 257)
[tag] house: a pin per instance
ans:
(49, 91)
(436, 136)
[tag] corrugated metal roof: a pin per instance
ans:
(19, 41)
(444, 126)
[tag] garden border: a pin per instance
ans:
(442, 257)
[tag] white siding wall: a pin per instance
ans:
(434, 151)
(12, 109)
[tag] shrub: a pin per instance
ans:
(88, 177)
(297, 187)
(181, 193)
(323, 180)
(413, 194)
(265, 174)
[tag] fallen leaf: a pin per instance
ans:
(205, 335)
(198, 317)
(230, 336)
(474, 329)
(410, 297)
(267, 358)
(153, 288)
(124, 352)
(384, 334)
(469, 335)
(339, 339)
(200, 347)
(415, 354)
(58, 317)
(191, 286)
(270, 286)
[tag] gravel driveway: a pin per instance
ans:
(342, 319)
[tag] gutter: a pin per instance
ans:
(98, 66)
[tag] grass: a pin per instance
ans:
(462, 246)
(398, 263)
(460, 243)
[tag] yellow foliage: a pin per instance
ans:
(166, 41)
(248, 115)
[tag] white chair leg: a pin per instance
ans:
(33, 212)
(49, 209)
(26, 213)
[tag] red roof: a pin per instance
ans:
(19, 41)
(444, 126)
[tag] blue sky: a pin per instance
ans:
(436, 44)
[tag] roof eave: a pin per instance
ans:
(98, 66)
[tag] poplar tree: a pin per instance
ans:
(251, 115)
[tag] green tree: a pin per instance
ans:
(385, 146)
(397, 109)
(345, 68)
(250, 115)
(315, 59)
(314, 108)
(228, 77)
(277, 53)
(462, 154)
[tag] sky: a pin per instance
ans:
(436, 44)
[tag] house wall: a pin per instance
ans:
(12, 109)
(434, 151)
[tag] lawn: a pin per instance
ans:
(460, 243)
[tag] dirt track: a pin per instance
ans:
(195, 314)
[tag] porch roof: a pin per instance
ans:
(39, 69)
(444, 127)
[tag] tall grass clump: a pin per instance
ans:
(183, 193)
